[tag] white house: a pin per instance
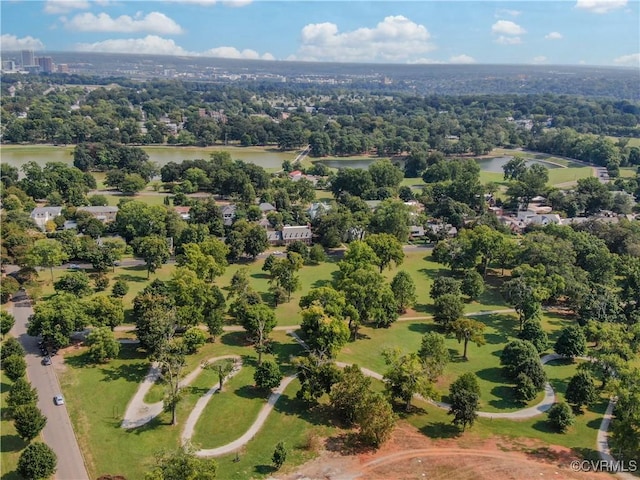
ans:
(41, 215)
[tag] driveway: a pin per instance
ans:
(58, 432)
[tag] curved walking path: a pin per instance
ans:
(140, 412)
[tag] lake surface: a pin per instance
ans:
(487, 164)
(163, 155)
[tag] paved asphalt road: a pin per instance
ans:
(58, 432)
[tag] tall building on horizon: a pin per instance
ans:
(46, 64)
(28, 58)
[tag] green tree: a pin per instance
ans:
(534, 333)
(21, 393)
(37, 461)
(279, 455)
(267, 375)
(14, 367)
(8, 288)
(525, 390)
(154, 250)
(387, 248)
(11, 346)
(103, 345)
(57, 318)
(467, 329)
(520, 356)
(105, 311)
(392, 217)
(445, 286)
(316, 375)
(325, 335)
(560, 417)
(182, 464)
(154, 327)
(472, 284)
(46, 253)
(208, 259)
(376, 419)
(571, 342)
(76, 283)
(406, 376)
(404, 290)
(464, 398)
(581, 391)
(447, 309)
(258, 320)
(348, 393)
(434, 355)
(316, 254)
(6, 322)
(29, 421)
(172, 362)
(120, 288)
(193, 339)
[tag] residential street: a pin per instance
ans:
(58, 432)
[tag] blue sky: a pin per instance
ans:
(590, 32)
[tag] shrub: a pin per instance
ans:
(193, 339)
(561, 417)
(120, 289)
(14, 367)
(279, 455)
(101, 281)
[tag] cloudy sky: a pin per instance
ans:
(590, 32)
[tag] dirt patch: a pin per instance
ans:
(411, 455)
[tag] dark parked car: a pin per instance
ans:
(46, 360)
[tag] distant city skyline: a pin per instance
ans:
(587, 32)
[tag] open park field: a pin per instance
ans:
(97, 396)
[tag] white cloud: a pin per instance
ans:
(154, 22)
(395, 39)
(11, 42)
(553, 36)
(424, 61)
(155, 45)
(600, 6)
(539, 59)
(208, 3)
(151, 44)
(503, 12)
(502, 40)
(462, 59)
(632, 60)
(232, 52)
(65, 6)
(507, 27)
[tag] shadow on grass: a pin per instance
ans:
(495, 338)
(235, 339)
(321, 283)
(492, 374)
(153, 424)
(421, 327)
(505, 397)
(260, 275)
(441, 430)
(12, 443)
(131, 373)
(5, 387)
(264, 469)
(11, 476)
(316, 415)
(251, 392)
(425, 308)
(284, 352)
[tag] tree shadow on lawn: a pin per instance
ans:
(251, 392)
(132, 278)
(506, 398)
(492, 374)
(441, 430)
(425, 308)
(421, 327)
(235, 339)
(506, 325)
(264, 469)
(12, 443)
(131, 372)
(11, 476)
(285, 352)
(260, 276)
(321, 283)
(314, 415)
(495, 338)
(151, 425)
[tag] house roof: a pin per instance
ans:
(229, 209)
(296, 233)
(266, 207)
(99, 209)
(52, 211)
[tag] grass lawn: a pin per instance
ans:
(484, 361)
(562, 175)
(12, 444)
(220, 420)
(627, 172)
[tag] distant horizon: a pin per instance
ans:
(601, 33)
(315, 62)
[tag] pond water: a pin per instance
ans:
(487, 164)
(43, 154)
